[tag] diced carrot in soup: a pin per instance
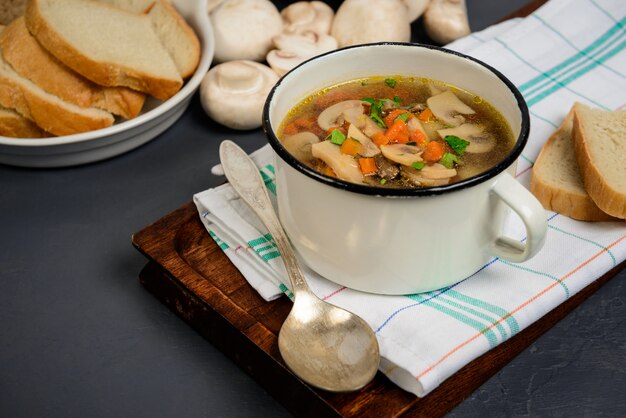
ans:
(391, 117)
(426, 115)
(433, 151)
(418, 137)
(351, 147)
(398, 133)
(379, 138)
(384, 123)
(368, 166)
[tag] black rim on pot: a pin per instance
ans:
(520, 143)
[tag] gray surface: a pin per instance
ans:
(80, 337)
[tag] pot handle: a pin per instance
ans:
(532, 214)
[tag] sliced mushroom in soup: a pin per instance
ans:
(399, 132)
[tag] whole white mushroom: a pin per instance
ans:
(304, 16)
(446, 20)
(292, 49)
(416, 8)
(233, 93)
(361, 21)
(244, 29)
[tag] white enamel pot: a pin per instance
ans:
(401, 241)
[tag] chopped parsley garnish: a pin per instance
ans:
(390, 82)
(376, 111)
(383, 181)
(396, 100)
(402, 116)
(337, 137)
(418, 165)
(448, 160)
(457, 144)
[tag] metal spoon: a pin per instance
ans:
(326, 346)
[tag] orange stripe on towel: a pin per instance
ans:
(520, 307)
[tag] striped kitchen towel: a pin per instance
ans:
(567, 51)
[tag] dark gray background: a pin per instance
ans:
(79, 337)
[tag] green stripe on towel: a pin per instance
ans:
(223, 246)
(539, 273)
(264, 246)
(489, 320)
(285, 290)
(471, 322)
(269, 182)
(572, 68)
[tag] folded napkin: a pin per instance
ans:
(567, 51)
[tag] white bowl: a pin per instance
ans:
(399, 241)
(155, 117)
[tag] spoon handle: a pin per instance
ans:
(243, 175)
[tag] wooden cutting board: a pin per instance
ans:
(190, 274)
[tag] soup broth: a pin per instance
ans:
(401, 132)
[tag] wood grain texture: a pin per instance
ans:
(190, 274)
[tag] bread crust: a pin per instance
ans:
(30, 60)
(185, 62)
(607, 198)
(576, 204)
(103, 73)
(35, 104)
(14, 125)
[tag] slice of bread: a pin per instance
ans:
(30, 60)
(178, 38)
(14, 125)
(599, 138)
(556, 181)
(51, 113)
(135, 6)
(109, 46)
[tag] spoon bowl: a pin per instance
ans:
(326, 346)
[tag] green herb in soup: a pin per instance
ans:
(396, 132)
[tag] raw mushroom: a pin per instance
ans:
(292, 49)
(233, 93)
(307, 43)
(402, 154)
(283, 61)
(343, 165)
(446, 107)
(335, 115)
(364, 21)
(368, 148)
(243, 29)
(303, 16)
(299, 145)
(415, 8)
(479, 140)
(446, 20)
